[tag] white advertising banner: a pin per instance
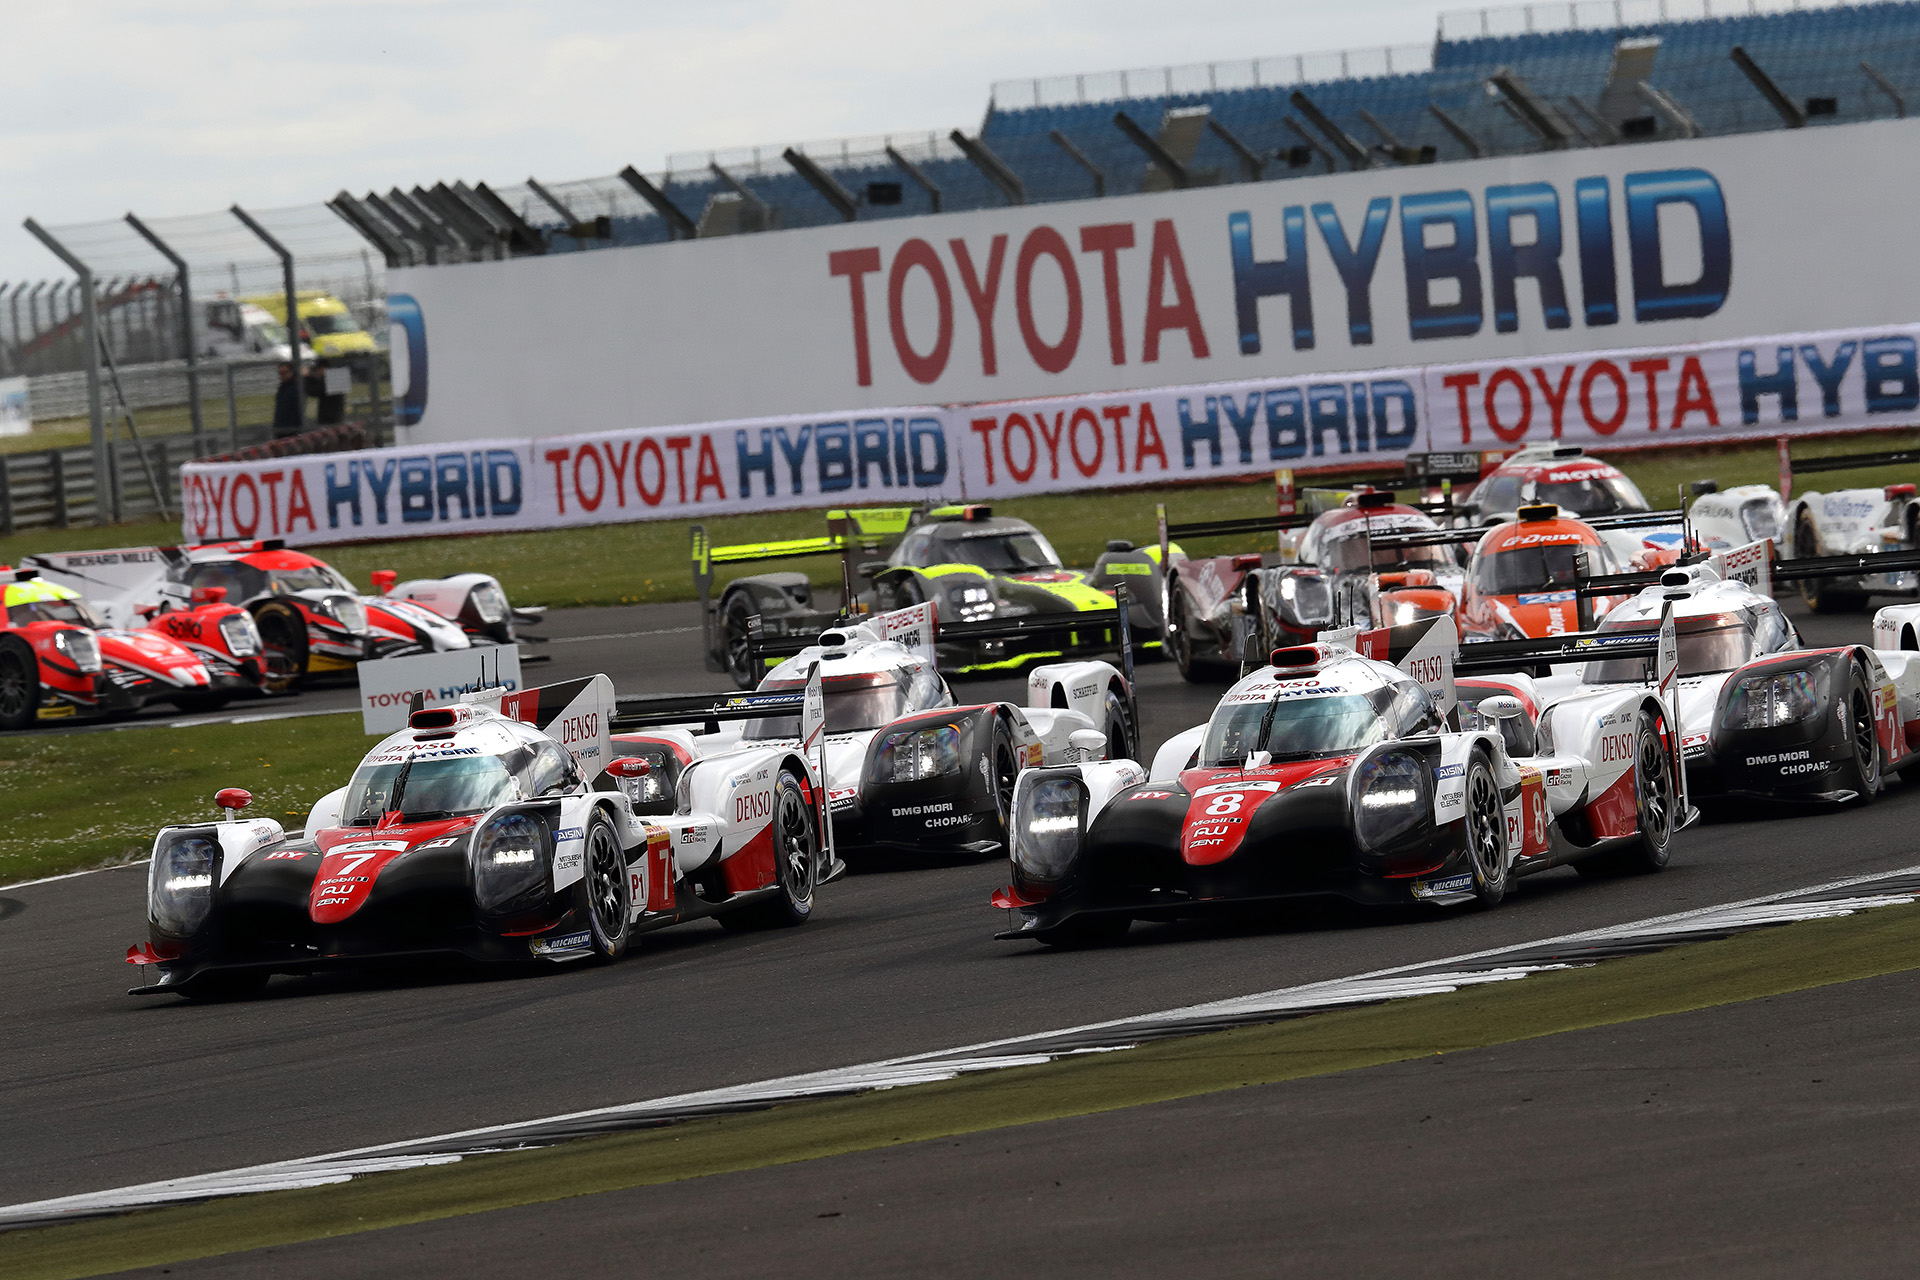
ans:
(387, 687)
(493, 486)
(1509, 260)
(1706, 393)
(1758, 388)
(1191, 433)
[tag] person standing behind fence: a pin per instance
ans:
(286, 404)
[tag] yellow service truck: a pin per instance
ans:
(326, 326)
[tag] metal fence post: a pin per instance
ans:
(57, 466)
(186, 318)
(103, 512)
(6, 499)
(233, 413)
(293, 305)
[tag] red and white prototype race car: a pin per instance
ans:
(311, 619)
(493, 829)
(59, 659)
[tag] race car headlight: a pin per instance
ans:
(655, 787)
(913, 755)
(180, 884)
(1390, 797)
(1774, 699)
(80, 648)
(971, 603)
(1310, 598)
(1048, 821)
(242, 637)
(509, 860)
(489, 602)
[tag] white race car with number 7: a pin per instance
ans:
(496, 829)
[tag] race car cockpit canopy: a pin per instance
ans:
(33, 601)
(1722, 626)
(1336, 708)
(1537, 553)
(998, 545)
(1339, 541)
(491, 760)
(247, 576)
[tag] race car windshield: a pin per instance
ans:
(1518, 569)
(75, 611)
(315, 577)
(1592, 495)
(1717, 643)
(426, 789)
(852, 703)
(1350, 553)
(1021, 552)
(1332, 725)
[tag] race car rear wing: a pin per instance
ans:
(1442, 537)
(1839, 462)
(656, 710)
(1497, 656)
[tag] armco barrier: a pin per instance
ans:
(1698, 394)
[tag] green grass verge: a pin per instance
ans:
(80, 800)
(1755, 965)
(646, 563)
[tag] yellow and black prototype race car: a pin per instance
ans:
(973, 565)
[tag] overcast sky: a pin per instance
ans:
(192, 105)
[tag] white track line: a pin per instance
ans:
(1400, 982)
(74, 875)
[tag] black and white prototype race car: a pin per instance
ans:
(479, 832)
(1764, 717)
(907, 766)
(1334, 774)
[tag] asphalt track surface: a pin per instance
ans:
(1775, 1137)
(104, 1090)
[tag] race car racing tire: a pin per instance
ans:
(1119, 727)
(1820, 597)
(226, 986)
(796, 863)
(1006, 771)
(1488, 858)
(19, 683)
(283, 643)
(1656, 797)
(735, 636)
(1860, 772)
(1086, 931)
(1180, 641)
(606, 892)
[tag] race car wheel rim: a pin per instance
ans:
(608, 872)
(739, 641)
(1656, 807)
(16, 695)
(1866, 741)
(1003, 780)
(1489, 852)
(796, 847)
(1177, 632)
(280, 645)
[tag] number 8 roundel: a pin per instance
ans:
(1217, 819)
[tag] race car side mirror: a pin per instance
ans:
(209, 595)
(383, 580)
(629, 767)
(232, 799)
(1502, 706)
(1087, 744)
